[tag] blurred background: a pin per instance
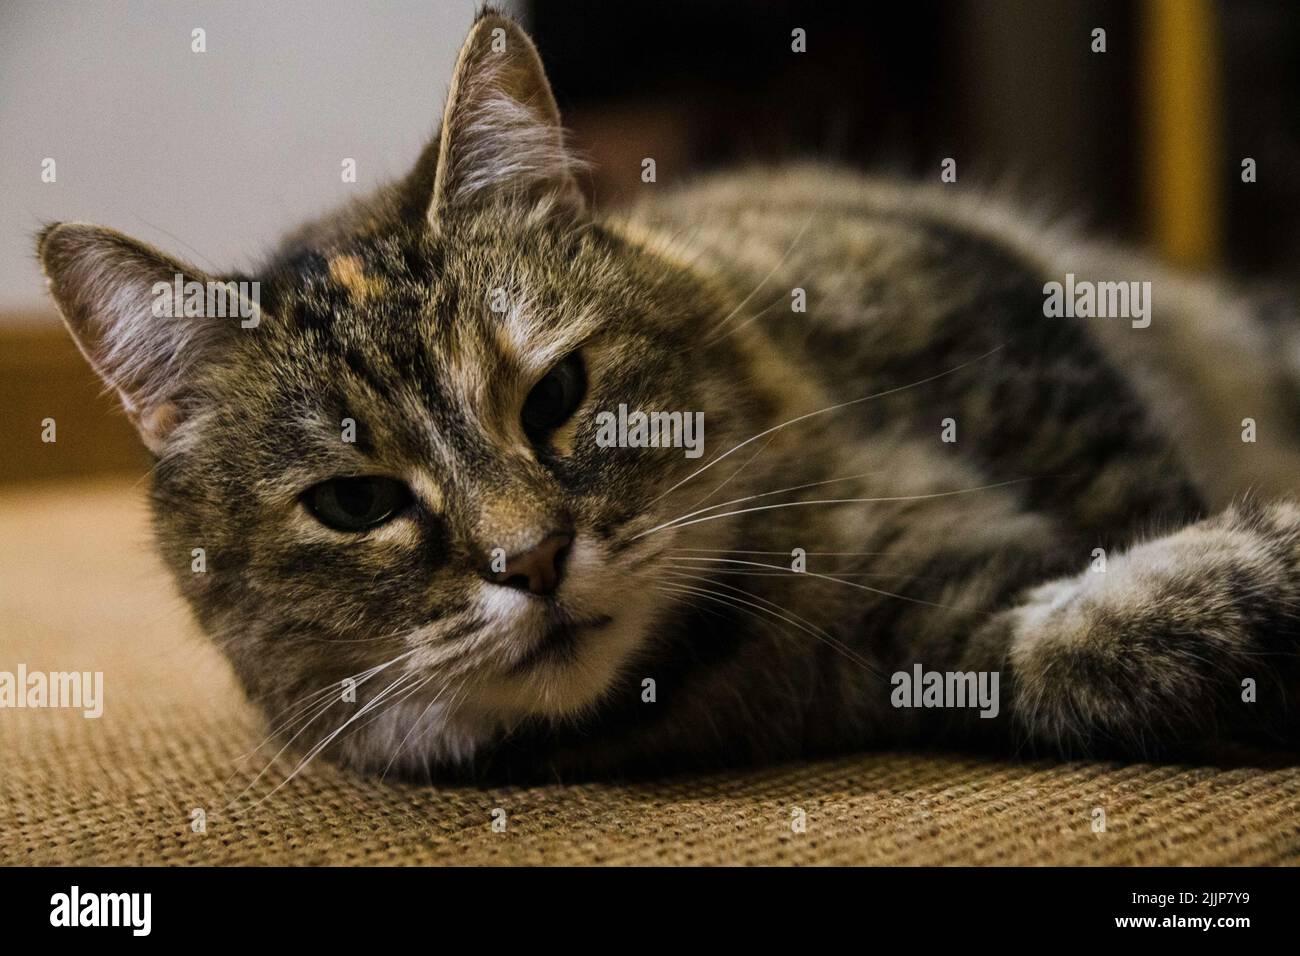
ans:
(211, 155)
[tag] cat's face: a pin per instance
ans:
(475, 433)
(386, 501)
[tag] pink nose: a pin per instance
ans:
(538, 569)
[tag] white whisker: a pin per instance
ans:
(851, 584)
(738, 501)
(717, 329)
(416, 723)
(824, 411)
(680, 523)
(315, 750)
(735, 602)
(365, 675)
(731, 477)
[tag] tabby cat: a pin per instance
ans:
(417, 556)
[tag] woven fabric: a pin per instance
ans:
(80, 590)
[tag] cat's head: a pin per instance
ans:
(389, 470)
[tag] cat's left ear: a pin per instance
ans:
(109, 289)
(501, 134)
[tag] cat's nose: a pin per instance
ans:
(539, 569)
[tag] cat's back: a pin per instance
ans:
(875, 279)
(857, 273)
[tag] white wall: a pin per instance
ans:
(209, 156)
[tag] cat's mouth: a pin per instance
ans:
(560, 641)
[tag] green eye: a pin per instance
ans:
(555, 397)
(356, 504)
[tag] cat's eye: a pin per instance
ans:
(356, 504)
(556, 397)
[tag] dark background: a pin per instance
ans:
(1010, 88)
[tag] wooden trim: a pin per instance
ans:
(42, 375)
(1183, 130)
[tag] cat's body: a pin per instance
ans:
(1072, 434)
(938, 458)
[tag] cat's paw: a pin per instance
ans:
(1141, 657)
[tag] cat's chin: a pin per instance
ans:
(540, 662)
(413, 738)
(565, 678)
(569, 668)
(564, 658)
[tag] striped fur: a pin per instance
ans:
(823, 433)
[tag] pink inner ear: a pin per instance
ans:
(501, 131)
(156, 423)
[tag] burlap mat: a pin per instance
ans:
(79, 590)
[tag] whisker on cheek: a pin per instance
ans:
(415, 725)
(315, 714)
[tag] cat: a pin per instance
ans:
(418, 558)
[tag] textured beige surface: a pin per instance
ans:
(80, 590)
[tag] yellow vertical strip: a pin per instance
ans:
(1181, 117)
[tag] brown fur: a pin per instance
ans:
(823, 430)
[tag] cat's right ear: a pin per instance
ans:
(108, 288)
(501, 135)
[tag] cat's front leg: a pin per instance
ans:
(1178, 640)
